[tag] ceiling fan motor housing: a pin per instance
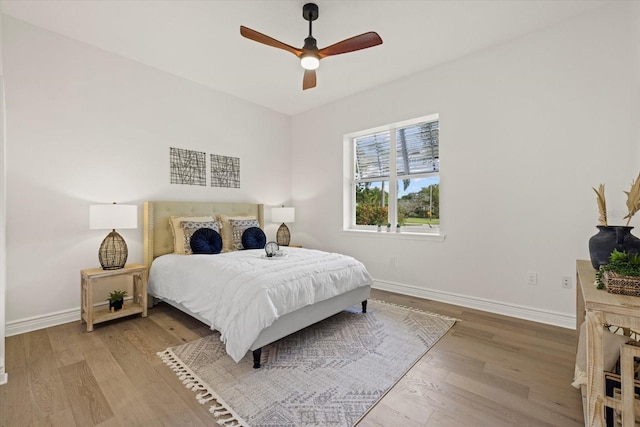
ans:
(310, 11)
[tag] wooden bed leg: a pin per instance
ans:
(256, 358)
(364, 306)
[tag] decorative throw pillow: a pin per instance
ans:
(206, 241)
(227, 231)
(237, 228)
(190, 227)
(178, 232)
(253, 238)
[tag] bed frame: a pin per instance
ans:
(158, 240)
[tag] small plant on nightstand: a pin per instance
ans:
(116, 300)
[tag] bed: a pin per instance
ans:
(350, 287)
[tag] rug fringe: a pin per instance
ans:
(417, 310)
(219, 409)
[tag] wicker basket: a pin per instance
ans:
(623, 285)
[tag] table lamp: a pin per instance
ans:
(113, 251)
(282, 214)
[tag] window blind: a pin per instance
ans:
(372, 156)
(417, 149)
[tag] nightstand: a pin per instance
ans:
(92, 276)
(295, 246)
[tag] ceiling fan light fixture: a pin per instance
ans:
(309, 54)
(309, 62)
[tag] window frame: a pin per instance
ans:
(349, 217)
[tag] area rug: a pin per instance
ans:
(329, 374)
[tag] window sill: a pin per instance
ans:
(393, 235)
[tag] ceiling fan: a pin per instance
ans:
(309, 54)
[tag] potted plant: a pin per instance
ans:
(612, 237)
(116, 300)
(621, 275)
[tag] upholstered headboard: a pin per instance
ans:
(158, 239)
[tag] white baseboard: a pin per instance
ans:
(541, 316)
(34, 323)
(520, 312)
(29, 324)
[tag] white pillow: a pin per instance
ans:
(178, 232)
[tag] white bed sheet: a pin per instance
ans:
(240, 293)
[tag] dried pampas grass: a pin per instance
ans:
(602, 204)
(633, 202)
(633, 199)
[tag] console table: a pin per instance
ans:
(599, 307)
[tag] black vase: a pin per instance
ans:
(609, 238)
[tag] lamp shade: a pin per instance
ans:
(110, 217)
(283, 214)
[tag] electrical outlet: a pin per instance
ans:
(532, 278)
(566, 282)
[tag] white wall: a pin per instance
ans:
(527, 128)
(3, 249)
(636, 88)
(85, 126)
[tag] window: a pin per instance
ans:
(396, 186)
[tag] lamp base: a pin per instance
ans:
(283, 237)
(113, 252)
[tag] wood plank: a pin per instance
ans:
(15, 356)
(177, 327)
(383, 415)
(127, 403)
(88, 403)
(146, 377)
(59, 419)
(131, 361)
(15, 398)
(103, 365)
(71, 341)
(45, 384)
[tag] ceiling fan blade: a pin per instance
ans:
(362, 41)
(309, 80)
(269, 41)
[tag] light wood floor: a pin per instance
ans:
(489, 370)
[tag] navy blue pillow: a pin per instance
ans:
(253, 238)
(206, 241)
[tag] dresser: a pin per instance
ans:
(598, 308)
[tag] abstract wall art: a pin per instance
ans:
(225, 171)
(188, 167)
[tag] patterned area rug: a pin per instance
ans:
(329, 374)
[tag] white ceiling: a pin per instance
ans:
(200, 40)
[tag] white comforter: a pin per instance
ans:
(240, 293)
